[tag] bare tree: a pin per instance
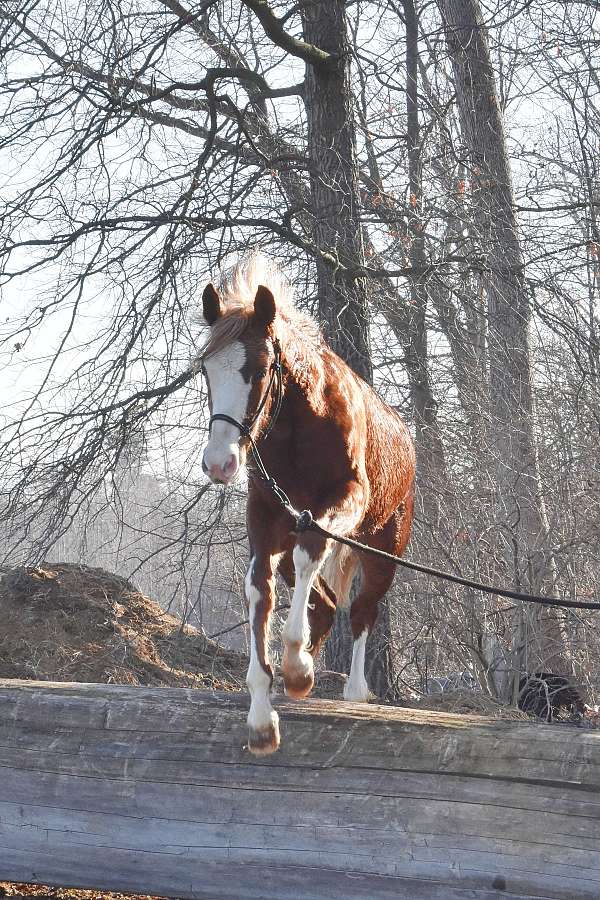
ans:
(145, 147)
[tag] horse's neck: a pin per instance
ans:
(313, 378)
(306, 367)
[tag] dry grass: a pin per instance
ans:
(42, 891)
(468, 702)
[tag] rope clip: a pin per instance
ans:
(304, 521)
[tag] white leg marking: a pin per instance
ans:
(262, 716)
(296, 629)
(297, 662)
(356, 688)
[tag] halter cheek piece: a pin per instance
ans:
(275, 385)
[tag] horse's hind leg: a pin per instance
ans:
(321, 613)
(377, 576)
(363, 614)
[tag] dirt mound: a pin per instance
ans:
(68, 622)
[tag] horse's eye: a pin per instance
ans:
(258, 376)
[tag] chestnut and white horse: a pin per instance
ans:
(335, 448)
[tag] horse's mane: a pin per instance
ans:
(297, 332)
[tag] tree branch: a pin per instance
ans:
(274, 29)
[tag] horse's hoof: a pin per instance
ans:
(298, 671)
(299, 684)
(262, 741)
(357, 693)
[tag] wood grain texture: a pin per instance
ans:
(152, 790)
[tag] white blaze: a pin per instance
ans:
(229, 394)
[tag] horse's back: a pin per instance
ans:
(389, 463)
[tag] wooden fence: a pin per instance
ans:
(151, 790)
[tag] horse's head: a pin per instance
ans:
(237, 363)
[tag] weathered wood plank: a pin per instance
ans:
(125, 788)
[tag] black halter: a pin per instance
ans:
(276, 383)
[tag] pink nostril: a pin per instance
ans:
(230, 467)
(223, 473)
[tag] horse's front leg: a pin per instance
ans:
(263, 722)
(341, 512)
(298, 674)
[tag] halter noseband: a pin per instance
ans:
(275, 381)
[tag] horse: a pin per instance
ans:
(333, 445)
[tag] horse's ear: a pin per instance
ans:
(264, 305)
(211, 304)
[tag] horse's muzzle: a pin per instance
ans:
(221, 474)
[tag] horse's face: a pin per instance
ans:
(237, 376)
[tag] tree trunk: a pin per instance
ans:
(343, 298)
(430, 450)
(343, 305)
(521, 512)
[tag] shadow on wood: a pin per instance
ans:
(151, 790)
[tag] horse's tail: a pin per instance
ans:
(339, 570)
